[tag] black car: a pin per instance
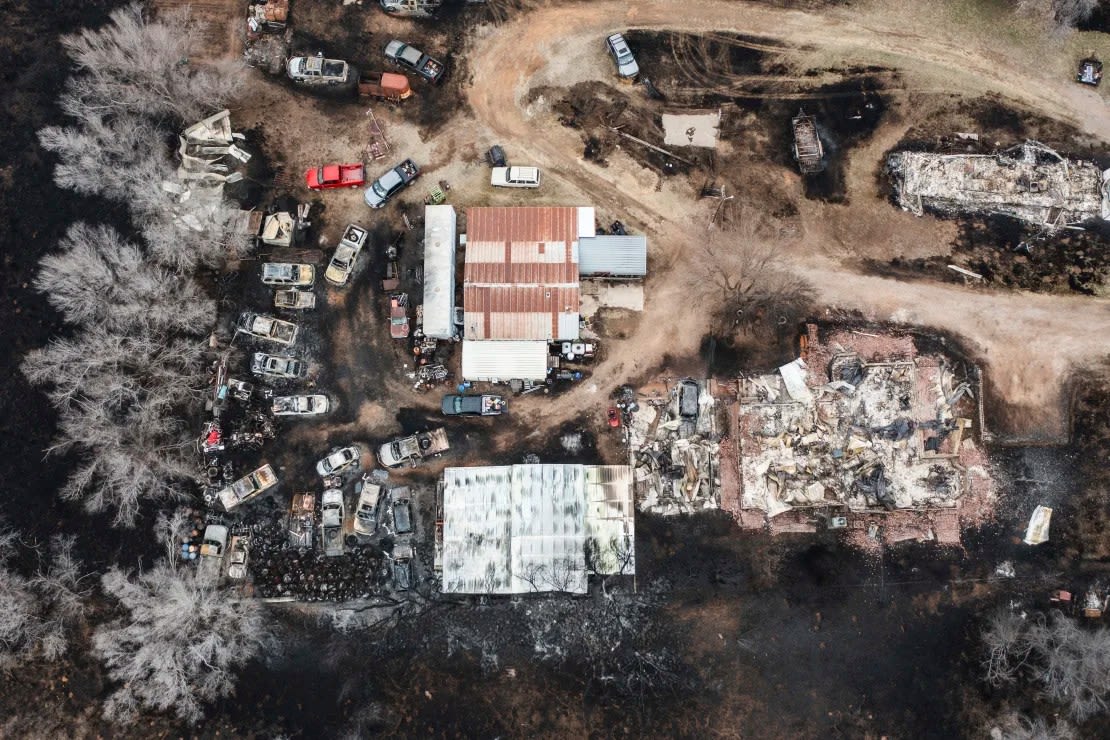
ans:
(496, 156)
(402, 517)
(688, 399)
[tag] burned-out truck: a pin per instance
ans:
(388, 86)
(414, 448)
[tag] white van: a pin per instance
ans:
(515, 177)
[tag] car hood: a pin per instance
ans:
(372, 198)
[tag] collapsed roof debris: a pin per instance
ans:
(1030, 182)
(861, 432)
(208, 153)
(674, 444)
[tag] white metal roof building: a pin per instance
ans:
(439, 271)
(613, 256)
(527, 528)
(494, 361)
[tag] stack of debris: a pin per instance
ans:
(281, 571)
(674, 448)
(861, 432)
(1030, 182)
(208, 153)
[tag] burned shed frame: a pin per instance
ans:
(808, 151)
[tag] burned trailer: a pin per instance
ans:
(808, 151)
(1029, 182)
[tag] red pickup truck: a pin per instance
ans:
(329, 176)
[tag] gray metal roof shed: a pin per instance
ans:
(439, 271)
(613, 256)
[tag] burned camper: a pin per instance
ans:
(808, 151)
(1029, 182)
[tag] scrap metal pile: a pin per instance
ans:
(859, 428)
(1030, 182)
(674, 448)
(280, 570)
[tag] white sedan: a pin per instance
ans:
(339, 460)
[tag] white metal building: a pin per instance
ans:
(439, 271)
(496, 361)
(612, 256)
(527, 528)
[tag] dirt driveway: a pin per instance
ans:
(1029, 344)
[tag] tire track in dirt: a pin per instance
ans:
(1029, 344)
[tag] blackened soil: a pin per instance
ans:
(704, 72)
(35, 214)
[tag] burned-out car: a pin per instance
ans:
(267, 327)
(247, 487)
(302, 521)
(402, 515)
(288, 273)
(366, 513)
(402, 565)
(316, 70)
(688, 393)
(346, 254)
(293, 299)
(338, 461)
(300, 405)
(331, 522)
(238, 554)
(276, 366)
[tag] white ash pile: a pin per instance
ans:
(674, 446)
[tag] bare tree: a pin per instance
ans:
(744, 278)
(1074, 665)
(1006, 649)
(117, 396)
(207, 239)
(181, 639)
(99, 278)
(1059, 14)
(38, 613)
(1016, 726)
(122, 157)
(134, 83)
(138, 65)
(1070, 664)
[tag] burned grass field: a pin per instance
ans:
(720, 630)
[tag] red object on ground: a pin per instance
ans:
(330, 176)
(614, 417)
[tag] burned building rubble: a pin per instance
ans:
(1030, 182)
(862, 432)
(674, 446)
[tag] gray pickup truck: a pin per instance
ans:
(386, 186)
(413, 59)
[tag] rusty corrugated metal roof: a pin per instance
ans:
(515, 312)
(521, 275)
(522, 224)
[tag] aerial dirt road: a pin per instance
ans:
(1029, 344)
